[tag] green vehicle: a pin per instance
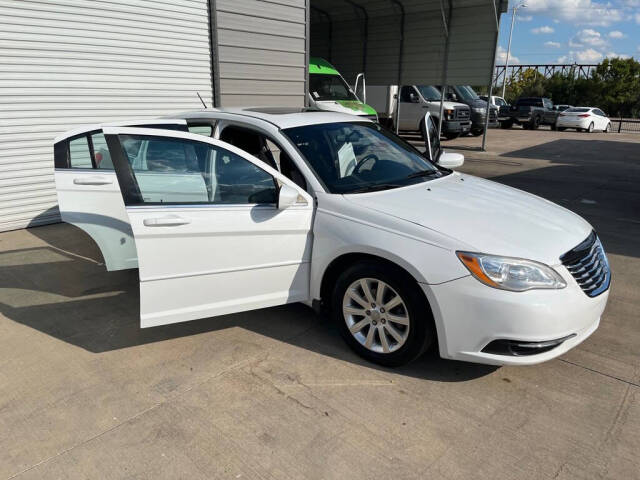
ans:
(330, 92)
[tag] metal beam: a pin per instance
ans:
(446, 23)
(366, 32)
(330, 21)
(400, 60)
(491, 82)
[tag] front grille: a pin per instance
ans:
(462, 114)
(588, 264)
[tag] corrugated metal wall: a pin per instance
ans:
(262, 52)
(70, 62)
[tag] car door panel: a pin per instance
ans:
(89, 192)
(208, 259)
(92, 202)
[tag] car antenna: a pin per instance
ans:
(203, 104)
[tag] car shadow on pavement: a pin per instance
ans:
(63, 290)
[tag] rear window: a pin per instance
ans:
(577, 110)
(530, 102)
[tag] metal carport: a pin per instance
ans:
(404, 42)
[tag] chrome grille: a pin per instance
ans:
(588, 264)
(462, 113)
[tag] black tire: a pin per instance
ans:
(476, 132)
(506, 124)
(451, 135)
(608, 128)
(561, 129)
(590, 129)
(421, 331)
(534, 124)
(554, 127)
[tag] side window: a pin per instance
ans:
(177, 171)
(79, 153)
(204, 129)
(101, 152)
(405, 94)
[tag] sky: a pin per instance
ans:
(570, 31)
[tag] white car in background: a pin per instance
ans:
(263, 207)
(583, 119)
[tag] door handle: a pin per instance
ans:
(165, 222)
(92, 181)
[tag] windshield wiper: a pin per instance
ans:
(424, 173)
(375, 188)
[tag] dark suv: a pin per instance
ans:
(467, 95)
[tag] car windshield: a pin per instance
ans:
(429, 92)
(352, 157)
(329, 87)
(466, 92)
(577, 110)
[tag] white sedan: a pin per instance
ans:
(263, 207)
(583, 119)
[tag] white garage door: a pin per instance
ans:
(65, 63)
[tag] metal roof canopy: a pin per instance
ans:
(404, 42)
(408, 42)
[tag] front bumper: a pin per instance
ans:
(469, 316)
(454, 126)
(478, 120)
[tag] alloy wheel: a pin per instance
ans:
(590, 127)
(376, 315)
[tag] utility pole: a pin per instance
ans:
(506, 64)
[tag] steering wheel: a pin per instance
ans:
(360, 163)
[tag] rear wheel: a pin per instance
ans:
(506, 124)
(476, 132)
(382, 314)
(451, 135)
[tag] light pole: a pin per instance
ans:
(506, 64)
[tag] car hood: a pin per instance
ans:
(353, 107)
(484, 216)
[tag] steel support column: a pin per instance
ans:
(446, 23)
(491, 77)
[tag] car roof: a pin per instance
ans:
(79, 130)
(281, 117)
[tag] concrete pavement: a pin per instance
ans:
(276, 394)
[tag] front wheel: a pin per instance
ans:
(590, 129)
(382, 314)
(451, 135)
(476, 132)
(561, 129)
(507, 124)
(608, 128)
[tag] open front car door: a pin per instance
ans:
(209, 233)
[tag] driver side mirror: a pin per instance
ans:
(287, 197)
(414, 98)
(451, 160)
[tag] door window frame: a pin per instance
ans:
(128, 184)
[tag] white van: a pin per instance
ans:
(415, 101)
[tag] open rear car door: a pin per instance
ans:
(212, 231)
(89, 194)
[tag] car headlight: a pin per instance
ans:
(514, 274)
(479, 110)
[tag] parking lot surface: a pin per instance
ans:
(276, 394)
